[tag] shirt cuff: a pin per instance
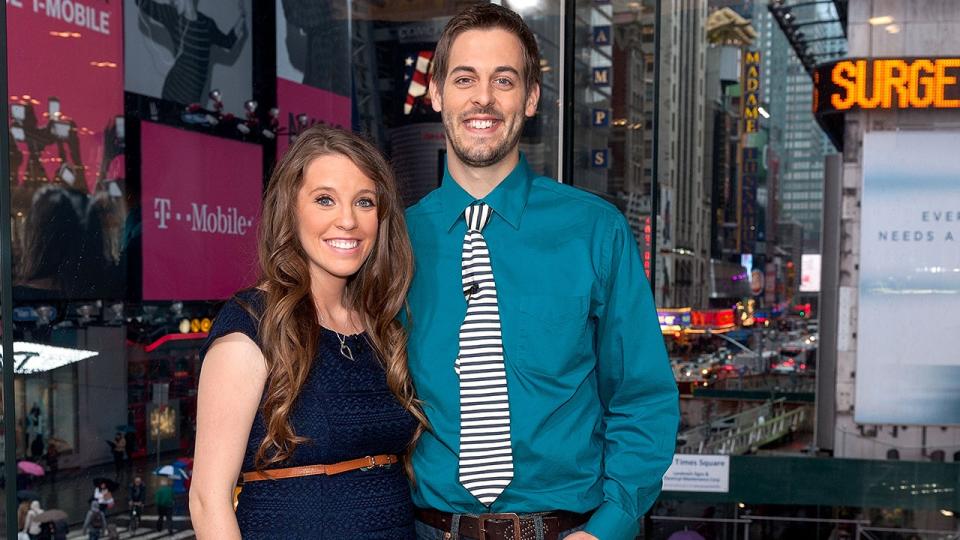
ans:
(610, 522)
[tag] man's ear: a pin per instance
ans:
(434, 95)
(533, 98)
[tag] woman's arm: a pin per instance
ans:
(231, 385)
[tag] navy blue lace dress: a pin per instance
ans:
(347, 411)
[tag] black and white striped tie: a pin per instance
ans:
(486, 459)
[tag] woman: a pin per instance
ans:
(103, 497)
(30, 524)
(309, 368)
(119, 449)
(22, 510)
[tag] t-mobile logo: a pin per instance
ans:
(202, 218)
(161, 211)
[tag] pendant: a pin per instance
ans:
(345, 351)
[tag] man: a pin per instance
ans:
(163, 498)
(533, 338)
(138, 496)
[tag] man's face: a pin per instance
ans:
(484, 100)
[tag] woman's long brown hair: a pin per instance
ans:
(289, 324)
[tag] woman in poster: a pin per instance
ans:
(304, 390)
(193, 35)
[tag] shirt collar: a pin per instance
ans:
(508, 199)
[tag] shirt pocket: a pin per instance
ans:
(553, 333)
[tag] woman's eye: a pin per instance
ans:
(324, 200)
(366, 203)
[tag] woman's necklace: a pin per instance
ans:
(344, 348)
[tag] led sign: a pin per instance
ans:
(887, 84)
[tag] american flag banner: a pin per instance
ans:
(422, 67)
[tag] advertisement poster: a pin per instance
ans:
(909, 280)
(200, 214)
(66, 149)
(810, 272)
(313, 66)
(181, 50)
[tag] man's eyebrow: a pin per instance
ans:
(511, 69)
(464, 68)
(498, 69)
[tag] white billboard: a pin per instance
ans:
(908, 364)
(810, 272)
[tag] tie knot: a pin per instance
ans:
(477, 216)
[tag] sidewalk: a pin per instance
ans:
(73, 489)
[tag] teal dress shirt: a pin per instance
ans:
(593, 402)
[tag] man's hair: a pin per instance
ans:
(487, 17)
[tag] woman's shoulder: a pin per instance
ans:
(241, 313)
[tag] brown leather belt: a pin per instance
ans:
(367, 462)
(503, 526)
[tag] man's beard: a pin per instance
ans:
(481, 156)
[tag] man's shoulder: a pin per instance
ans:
(588, 204)
(428, 204)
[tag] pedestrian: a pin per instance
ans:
(103, 496)
(163, 497)
(138, 496)
(53, 461)
(530, 298)
(30, 524)
(22, 510)
(319, 341)
(119, 450)
(95, 522)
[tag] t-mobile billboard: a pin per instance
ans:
(66, 161)
(201, 205)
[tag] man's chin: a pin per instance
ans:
(479, 158)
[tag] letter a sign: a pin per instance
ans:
(601, 35)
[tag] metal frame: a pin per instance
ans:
(6, 295)
(568, 22)
(655, 174)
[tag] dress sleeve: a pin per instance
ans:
(162, 13)
(236, 315)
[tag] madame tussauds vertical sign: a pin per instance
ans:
(751, 92)
(909, 280)
(201, 200)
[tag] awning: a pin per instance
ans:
(37, 358)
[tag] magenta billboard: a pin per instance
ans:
(201, 202)
(67, 134)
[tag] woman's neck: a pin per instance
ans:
(333, 312)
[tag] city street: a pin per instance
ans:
(73, 489)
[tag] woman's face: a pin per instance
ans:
(336, 216)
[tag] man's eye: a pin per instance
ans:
(504, 81)
(366, 203)
(324, 200)
(461, 81)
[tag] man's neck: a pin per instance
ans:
(480, 181)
